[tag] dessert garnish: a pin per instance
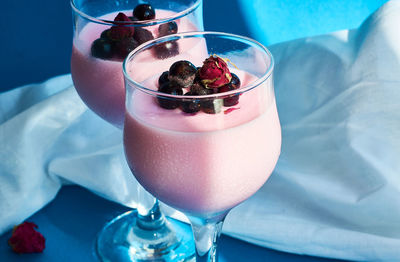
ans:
(142, 35)
(166, 49)
(184, 78)
(25, 239)
(103, 48)
(106, 34)
(200, 90)
(182, 72)
(172, 89)
(235, 81)
(215, 72)
(168, 29)
(124, 46)
(133, 18)
(163, 78)
(212, 106)
(169, 48)
(116, 42)
(229, 110)
(144, 12)
(120, 30)
(190, 105)
(234, 84)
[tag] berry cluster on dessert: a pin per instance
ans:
(116, 42)
(213, 77)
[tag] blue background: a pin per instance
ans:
(36, 36)
(35, 45)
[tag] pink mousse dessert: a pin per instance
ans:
(98, 51)
(202, 155)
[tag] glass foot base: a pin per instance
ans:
(123, 240)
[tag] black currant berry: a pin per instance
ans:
(172, 89)
(168, 29)
(182, 72)
(106, 34)
(144, 12)
(235, 81)
(199, 89)
(102, 48)
(124, 46)
(132, 18)
(166, 49)
(190, 105)
(232, 99)
(142, 35)
(163, 78)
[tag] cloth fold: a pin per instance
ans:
(335, 191)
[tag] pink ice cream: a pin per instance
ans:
(204, 163)
(99, 82)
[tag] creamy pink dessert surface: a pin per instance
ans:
(203, 163)
(99, 82)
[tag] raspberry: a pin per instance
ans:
(25, 239)
(120, 30)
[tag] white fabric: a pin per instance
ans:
(335, 191)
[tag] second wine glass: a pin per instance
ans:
(104, 33)
(208, 137)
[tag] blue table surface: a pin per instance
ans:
(72, 220)
(36, 45)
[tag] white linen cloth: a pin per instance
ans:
(335, 191)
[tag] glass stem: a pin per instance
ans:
(150, 216)
(152, 229)
(206, 234)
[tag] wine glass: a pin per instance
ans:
(208, 136)
(104, 33)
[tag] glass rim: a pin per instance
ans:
(192, 34)
(143, 23)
